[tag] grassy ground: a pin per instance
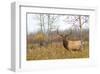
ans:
(55, 52)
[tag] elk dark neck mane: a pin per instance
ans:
(65, 44)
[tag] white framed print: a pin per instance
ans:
(46, 37)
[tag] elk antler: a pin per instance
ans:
(65, 34)
(59, 33)
(68, 33)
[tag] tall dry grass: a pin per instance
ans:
(55, 51)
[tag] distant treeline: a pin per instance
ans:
(54, 37)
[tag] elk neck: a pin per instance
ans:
(65, 43)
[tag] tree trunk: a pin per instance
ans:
(81, 32)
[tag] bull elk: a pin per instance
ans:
(69, 44)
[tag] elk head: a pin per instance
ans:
(64, 39)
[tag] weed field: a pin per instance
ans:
(55, 51)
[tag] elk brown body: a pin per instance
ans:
(71, 45)
(74, 45)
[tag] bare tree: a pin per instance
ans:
(40, 36)
(42, 24)
(81, 23)
(51, 20)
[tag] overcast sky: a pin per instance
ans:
(33, 23)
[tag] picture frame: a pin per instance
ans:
(19, 30)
